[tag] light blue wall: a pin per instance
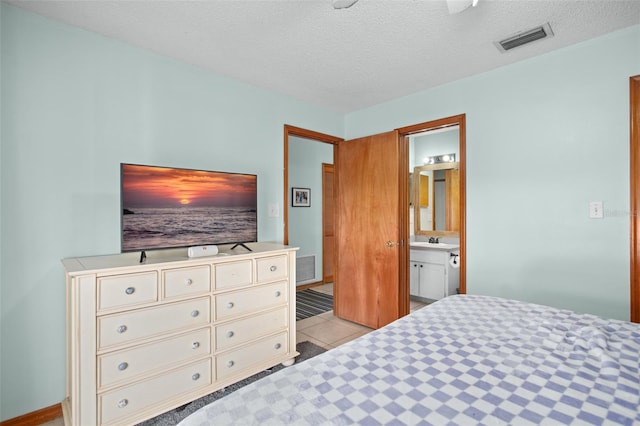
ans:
(75, 105)
(544, 137)
(305, 171)
(438, 143)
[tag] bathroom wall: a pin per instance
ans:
(433, 143)
(438, 142)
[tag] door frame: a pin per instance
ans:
(634, 177)
(459, 120)
(326, 169)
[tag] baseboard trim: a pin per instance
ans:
(306, 286)
(35, 418)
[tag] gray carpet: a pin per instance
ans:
(307, 350)
(310, 302)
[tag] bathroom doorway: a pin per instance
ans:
(453, 224)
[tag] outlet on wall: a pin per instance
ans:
(274, 210)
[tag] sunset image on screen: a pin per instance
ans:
(165, 207)
(145, 186)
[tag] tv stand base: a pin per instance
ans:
(241, 244)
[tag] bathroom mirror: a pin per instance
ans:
(436, 199)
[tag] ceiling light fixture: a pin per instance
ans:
(457, 6)
(439, 159)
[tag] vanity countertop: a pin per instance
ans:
(420, 245)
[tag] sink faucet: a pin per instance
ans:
(433, 240)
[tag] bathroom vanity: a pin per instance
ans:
(432, 277)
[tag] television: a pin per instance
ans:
(168, 207)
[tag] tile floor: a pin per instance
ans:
(328, 331)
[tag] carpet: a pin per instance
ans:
(310, 302)
(170, 418)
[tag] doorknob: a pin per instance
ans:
(390, 243)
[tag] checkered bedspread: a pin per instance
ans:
(463, 360)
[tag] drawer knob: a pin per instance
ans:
(230, 364)
(195, 313)
(130, 290)
(195, 345)
(229, 333)
(189, 281)
(277, 293)
(273, 268)
(123, 403)
(122, 329)
(195, 376)
(123, 366)
(230, 305)
(277, 346)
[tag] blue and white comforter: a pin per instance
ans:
(463, 360)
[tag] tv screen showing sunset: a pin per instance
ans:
(164, 207)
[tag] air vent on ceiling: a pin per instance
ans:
(543, 31)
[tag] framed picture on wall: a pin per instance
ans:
(300, 197)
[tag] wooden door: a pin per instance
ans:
(369, 228)
(328, 232)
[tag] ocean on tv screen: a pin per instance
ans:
(146, 228)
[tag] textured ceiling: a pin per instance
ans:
(345, 59)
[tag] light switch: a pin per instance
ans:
(274, 210)
(595, 210)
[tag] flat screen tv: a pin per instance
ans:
(167, 207)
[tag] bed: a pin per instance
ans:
(462, 360)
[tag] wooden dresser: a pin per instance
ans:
(145, 338)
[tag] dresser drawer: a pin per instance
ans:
(233, 274)
(145, 359)
(120, 403)
(241, 302)
(232, 362)
(237, 332)
(117, 329)
(272, 268)
(186, 281)
(119, 291)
